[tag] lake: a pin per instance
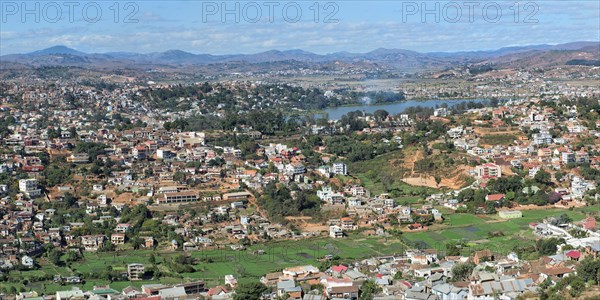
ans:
(336, 113)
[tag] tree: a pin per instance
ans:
(466, 195)
(438, 180)
(539, 198)
(368, 290)
(137, 242)
(73, 256)
(250, 291)
(398, 275)
(54, 256)
(452, 250)
(108, 246)
(542, 177)
(56, 175)
(386, 180)
(380, 114)
(461, 272)
(548, 246)
(577, 287)
(179, 177)
(589, 269)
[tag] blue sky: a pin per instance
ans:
(354, 26)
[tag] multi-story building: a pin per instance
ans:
(295, 168)
(542, 138)
(567, 157)
(135, 271)
(440, 112)
(544, 152)
(92, 242)
(339, 168)
(78, 158)
(582, 157)
(123, 227)
(139, 152)
(29, 187)
(335, 231)
(165, 153)
(117, 238)
(179, 197)
(488, 170)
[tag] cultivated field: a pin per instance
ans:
(211, 265)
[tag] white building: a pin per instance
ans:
(230, 279)
(440, 112)
(339, 168)
(542, 138)
(29, 187)
(488, 170)
(335, 231)
(567, 157)
(580, 186)
(27, 261)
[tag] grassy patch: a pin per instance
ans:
(406, 200)
(470, 228)
(212, 265)
(497, 139)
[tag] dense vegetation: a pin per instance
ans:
(280, 201)
(229, 98)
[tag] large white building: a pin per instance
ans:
(567, 157)
(488, 170)
(177, 197)
(335, 231)
(440, 112)
(339, 168)
(29, 187)
(135, 271)
(542, 138)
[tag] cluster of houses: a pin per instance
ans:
(167, 170)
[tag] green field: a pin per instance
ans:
(408, 200)
(497, 139)
(475, 229)
(212, 265)
(398, 187)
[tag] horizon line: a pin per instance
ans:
(300, 49)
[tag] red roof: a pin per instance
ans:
(216, 290)
(34, 168)
(574, 254)
(148, 298)
(491, 165)
(494, 197)
(589, 223)
(339, 268)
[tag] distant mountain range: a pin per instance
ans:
(399, 58)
